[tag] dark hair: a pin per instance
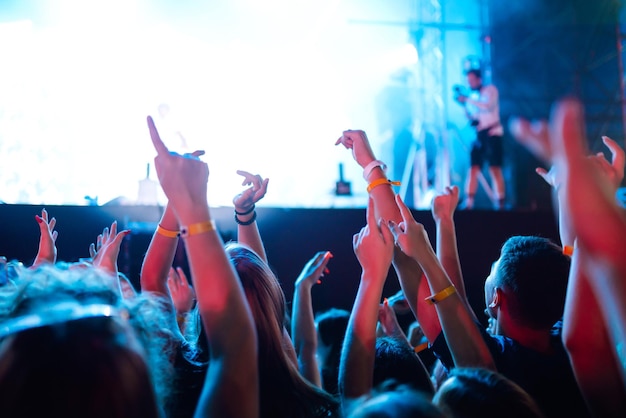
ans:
(331, 329)
(77, 368)
(482, 393)
(391, 400)
(535, 272)
(283, 390)
(396, 360)
(476, 71)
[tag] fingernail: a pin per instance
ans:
(326, 271)
(319, 282)
(38, 219)
(127, 232)
(386, 302)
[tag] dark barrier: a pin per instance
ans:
(291, 236)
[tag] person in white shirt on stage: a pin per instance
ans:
(483, 110)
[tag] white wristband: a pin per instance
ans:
(368, 168)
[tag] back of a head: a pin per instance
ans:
(331, 329)
(67, 348)
(481, 393)
(397, 361)
(395, 402)
(77, 368)
(535, 272)
(284, 392)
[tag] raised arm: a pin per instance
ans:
(443, 208)
(160, 254)
(373, 247)
(460, 330)
(245, 214)
(231, 386)
(408, 270)
(584, 189)
(302, 317)
(598, 224)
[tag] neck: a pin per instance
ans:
(537, 340)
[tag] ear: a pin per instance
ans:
(496, 298)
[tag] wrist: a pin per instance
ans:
(369, 168)
(193, 215)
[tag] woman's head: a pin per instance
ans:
(284, 392)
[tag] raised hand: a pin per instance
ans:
(551, 176)
(409, 234)
(445, 204)
(389, 322)
(183, 177)
(107, 248)
(535, 136)
(245, 200)
(47, 252)
(314, 269)
(613, 171)
(181, 291)
(359, 144)
(373, 245)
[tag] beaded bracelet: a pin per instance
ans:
(246, 212)
(439, 296)
(244, 223)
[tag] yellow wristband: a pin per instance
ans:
(439, 296)
(380, 181)
(421, 347)
(167, 232)
(568, 250)
(195, 229)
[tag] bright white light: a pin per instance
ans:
(269, 95)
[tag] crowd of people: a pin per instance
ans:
(78, 340)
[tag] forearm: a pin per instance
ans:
(590, 349)
(461, 332)
(384, 197)
(415, 289)
(226, 319)
(448, 255)
(160, 256)
(304, 334)
(250, 236)
(359, 348)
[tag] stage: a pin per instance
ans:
(291, 237)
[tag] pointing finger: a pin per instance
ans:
(159, 146)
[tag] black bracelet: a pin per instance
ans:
(248, 222)
(246, 212)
